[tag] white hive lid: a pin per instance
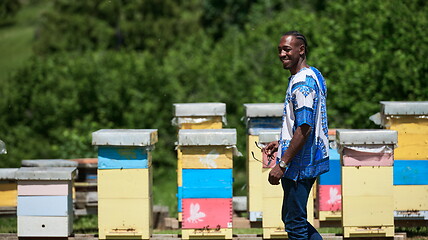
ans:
(199, 109)
(266, 136)
(263, 110)
(365, 136)
(8, 173)
(204, 137)
(46, 173)
(404, 108)
(125, 137)
(48, 163)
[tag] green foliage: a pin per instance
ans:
(122, 64)
(8, 10)
(117, 24)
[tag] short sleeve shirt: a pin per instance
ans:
(305, 103)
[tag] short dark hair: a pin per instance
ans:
(298, 36)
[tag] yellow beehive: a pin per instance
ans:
(125, 218)
(222, 233)
(269, 190)
(410, 120)
(412, 137)
(8, 194)
(330, 215)
(273, 227)
(124, 203)
(179, 168)
(254, 176)
(410, 197)
(367, 201)
(124, 183)
(201, 157)
(202, 123)
(8, 187)
(258, 117)
(199, 115)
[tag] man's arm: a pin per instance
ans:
(296, 144)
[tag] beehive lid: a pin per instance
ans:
(266, 136)
(365, 136)
(263, 109)
(204, 137)
(125, 137)
(8, 173)
(46, 173)
(199, 109)
(48, 163)
(86, 162)
(404, 108)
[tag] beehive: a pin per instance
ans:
(410, 120)
(258, 117)
(272, 195)
(45, 205)
(199, 115)
(205, 193)
(124, 182)
(8, 188)
(329, 189)
(367, 193)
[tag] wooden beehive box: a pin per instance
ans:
(367, 190)
(207, 212)
(8, 188)
(258, 117)
(330, 190)
(411, 189)
(199, 115)
(45, 205)
(124, 182)
(366, 147)
(410, 120)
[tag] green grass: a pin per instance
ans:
(16, 39)
(8, 225)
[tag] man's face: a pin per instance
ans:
(289, 50)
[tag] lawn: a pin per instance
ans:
(16, 39)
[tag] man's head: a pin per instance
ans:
(292, 50)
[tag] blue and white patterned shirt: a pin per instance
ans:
(305, 103)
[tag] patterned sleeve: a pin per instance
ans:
(303, 95)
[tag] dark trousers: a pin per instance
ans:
(294, 213)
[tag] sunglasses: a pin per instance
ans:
(270, 157)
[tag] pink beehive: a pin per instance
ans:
(330, 197)
(209, 213)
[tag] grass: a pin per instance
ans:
(8, 225)
(89, 225)
(16, 39)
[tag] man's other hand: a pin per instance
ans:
(275, 175)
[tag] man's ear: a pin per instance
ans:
(302, 50)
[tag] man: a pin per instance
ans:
(303, 145)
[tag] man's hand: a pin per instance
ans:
(270, 149)
(276, 174)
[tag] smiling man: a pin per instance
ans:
(303, 145)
